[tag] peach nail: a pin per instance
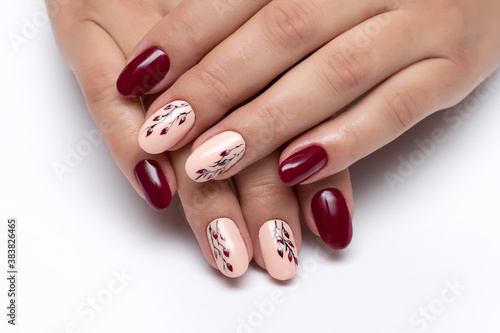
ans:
(215, 156)
(228, 247)
(166, 127)
(279, 250)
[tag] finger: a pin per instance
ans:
(179, 41)
(214, 214)
(311, 92)
(118, 119)
(327, 207)
(272, 215)
(272, 41)
(377, 119)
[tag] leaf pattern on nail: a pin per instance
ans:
(219, 166)
(284, 245)
(161, 119)
(219, 249)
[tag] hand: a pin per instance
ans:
(95, 57)
(388, 63)
(96, 38)
(262, 218)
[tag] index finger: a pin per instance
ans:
(179, 41)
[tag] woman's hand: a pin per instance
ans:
(231, 228)
(96, 38)
(261, 220)
(388, 63)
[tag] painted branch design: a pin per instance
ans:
(220, 251)
(160, 119)
(282, 236)
(226, 157)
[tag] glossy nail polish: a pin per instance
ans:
(302, 165)
(154, 184)
(215, 156)
(166, 127)
(143, 73)
(278, 248)
(228, 247)
(332, 218)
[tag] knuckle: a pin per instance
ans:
(460, 42)
(183, 31)
(351, 132)
(291, 23)
(98, 85)
(264, 191)
(115, 145)
(343, 71)
(201, 197)
(119, 137)
(401, 108)
(215, 77)
(464, 55)
(271, 123)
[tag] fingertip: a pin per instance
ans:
(327, 207)
(228, 247)
(143, 72)
(215, 156)
(302, 165)
(332, 217)
(153, 184)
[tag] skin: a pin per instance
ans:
(388, 63)
(96, 40)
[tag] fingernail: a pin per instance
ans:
(154, 184)
(166, 127)
(279, 252)
(228, 247)
(332, 218)
(143, 73)
(215, 156)
(302, 165)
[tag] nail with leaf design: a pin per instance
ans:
(279, 252)
(166, 127)
(215, 156)
(228, 247)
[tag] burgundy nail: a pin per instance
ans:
(332, 218)
(153, 183)
(302, 165)
(143, 73)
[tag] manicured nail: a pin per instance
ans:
(332, 218)
(166, 127)
(154, 184)
(279, 252)
(215, 156)
(302, 165)
(228, 247)
(143, 73)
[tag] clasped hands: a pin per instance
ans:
(227, 84)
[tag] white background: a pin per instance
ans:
(411, 241)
